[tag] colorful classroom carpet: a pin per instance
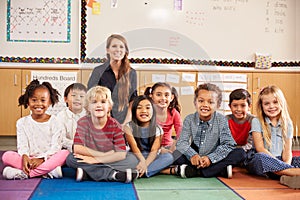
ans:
(241, 186)
(67, 188)
(157, 187)
(172, 187)
(254, 187)
(18, 189)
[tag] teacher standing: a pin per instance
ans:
(117, 75)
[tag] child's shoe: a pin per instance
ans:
(186, 171)
(13, 173)
(81, 175)
(56, 173)
(290, 181)
(126, 176)
(227, 172)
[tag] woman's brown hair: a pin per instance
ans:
(123, 74)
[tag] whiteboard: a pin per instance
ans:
(232, 30)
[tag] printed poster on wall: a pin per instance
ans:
(59, 81)
(38, 21)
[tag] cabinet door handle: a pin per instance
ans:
(15, 80)
(26, 79)
(247, 82)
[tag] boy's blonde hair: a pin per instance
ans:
(97, 92)
(284, 114)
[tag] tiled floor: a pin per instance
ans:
(10, 143)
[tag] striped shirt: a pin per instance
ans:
(110, 137)
(213, 138)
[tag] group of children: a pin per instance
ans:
(85, 137)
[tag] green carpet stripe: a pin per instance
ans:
(172, 187)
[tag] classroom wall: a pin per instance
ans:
(231, 30)
(209, 29)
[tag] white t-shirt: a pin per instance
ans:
(69, 121)
(39, 139)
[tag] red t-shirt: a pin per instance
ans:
(240, 131)
(110, 137)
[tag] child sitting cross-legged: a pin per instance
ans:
(39, 137)
(240, 119)
(205, 147)
(74, 97)
(99, 151)
(144, 136)
(272, 133)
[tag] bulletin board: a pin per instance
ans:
(38, 21)
(39, 31)
(217, 32)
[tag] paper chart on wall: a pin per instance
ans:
(172, 78)
(38, 21)
(158, 78)
(188, 77)
(187, 90)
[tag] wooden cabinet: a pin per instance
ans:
(85, 75)
(11, 89)
(13, 84)
(288, 82)
(297, 107)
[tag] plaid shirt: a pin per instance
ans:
(213, 138)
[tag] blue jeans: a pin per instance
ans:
(161, 162)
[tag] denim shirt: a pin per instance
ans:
(276, 135)
(216, 141)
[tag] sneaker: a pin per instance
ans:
(174, 170)
(13, 173)
(186, 171)
(226, 172)
(229, 171)
(56, 173)
(126, 176)
(81, 175)
(290, 181)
